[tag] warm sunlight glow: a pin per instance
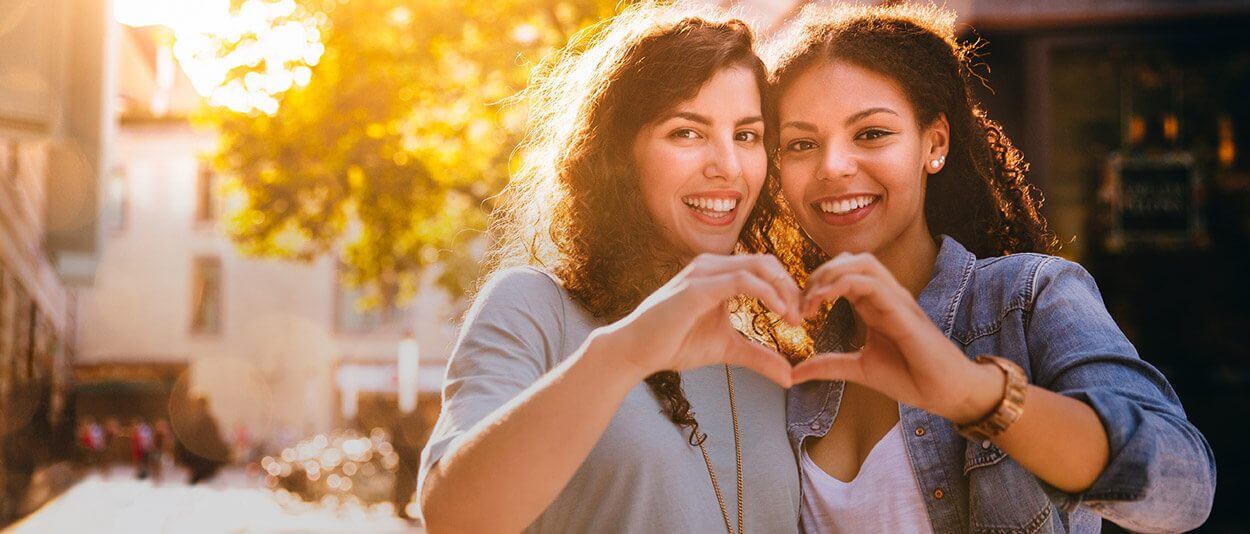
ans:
(288, 46)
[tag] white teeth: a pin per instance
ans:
(714, 205)
(842, 207)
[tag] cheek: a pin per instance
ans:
(755, 170)
(656, 171)
(795, 176)
(900, 176)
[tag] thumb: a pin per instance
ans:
(830, 366)
(763, 360)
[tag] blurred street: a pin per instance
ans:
(232, 501)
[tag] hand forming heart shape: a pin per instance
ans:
(904, 355)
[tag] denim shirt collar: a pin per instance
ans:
(951, 272)
(814, 405)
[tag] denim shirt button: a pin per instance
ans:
(985, 444)
(919, 431)
(815, 425)
(938, 494)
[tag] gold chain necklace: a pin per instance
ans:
(720, 499)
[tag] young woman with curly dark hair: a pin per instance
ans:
(965, 379)
(571, 397)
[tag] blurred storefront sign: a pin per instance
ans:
(1153, 201)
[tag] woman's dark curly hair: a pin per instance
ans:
(574, 206)
(980, 197)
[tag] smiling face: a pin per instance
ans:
(701, 164)
(854, 161)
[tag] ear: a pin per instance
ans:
(937, 138)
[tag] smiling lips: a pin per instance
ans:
(714, 208)
(846, 209)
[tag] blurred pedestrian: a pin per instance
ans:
(161, 447)
(140, 446)
(198, 443)
(113, 448)
(406, 431)
(92, 439)
(242, 445)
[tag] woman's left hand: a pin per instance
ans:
(904, 355)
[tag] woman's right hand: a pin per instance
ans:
(685, 324)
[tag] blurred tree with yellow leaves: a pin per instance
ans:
(377, 130)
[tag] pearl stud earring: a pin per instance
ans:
(937, 163)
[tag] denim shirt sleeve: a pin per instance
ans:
(1160, 476)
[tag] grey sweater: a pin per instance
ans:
(642, 475)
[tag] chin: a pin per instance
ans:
(837, 244)
(713, 246)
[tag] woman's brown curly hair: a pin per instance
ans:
(574, 205)
(980, 197)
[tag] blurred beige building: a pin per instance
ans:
(277, 347)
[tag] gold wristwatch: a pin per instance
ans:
(1008, 409)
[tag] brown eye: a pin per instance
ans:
(746, 136)
(801, 145)
(873, 134)
(684, 133)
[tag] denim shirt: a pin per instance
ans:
(1045, 314)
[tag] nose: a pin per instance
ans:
(837, 163)
(722, 161)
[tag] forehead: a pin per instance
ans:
(835, 90)
(732, 90)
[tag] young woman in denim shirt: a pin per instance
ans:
(917, 221)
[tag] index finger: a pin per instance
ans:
(768, 269)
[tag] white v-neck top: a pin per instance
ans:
(883, 497)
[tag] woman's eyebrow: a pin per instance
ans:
(809, 127)
(867, 112)
(801, 125)
(706, 121)
(693, 117)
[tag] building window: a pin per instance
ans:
(205, 193)
(22, 306)
(206, 296)
(35, 347)
(5, 163)
(6, 332)
(116, 203)
(351, 315)
(10, 161)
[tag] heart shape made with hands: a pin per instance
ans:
(859, 278)
(904, 354)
